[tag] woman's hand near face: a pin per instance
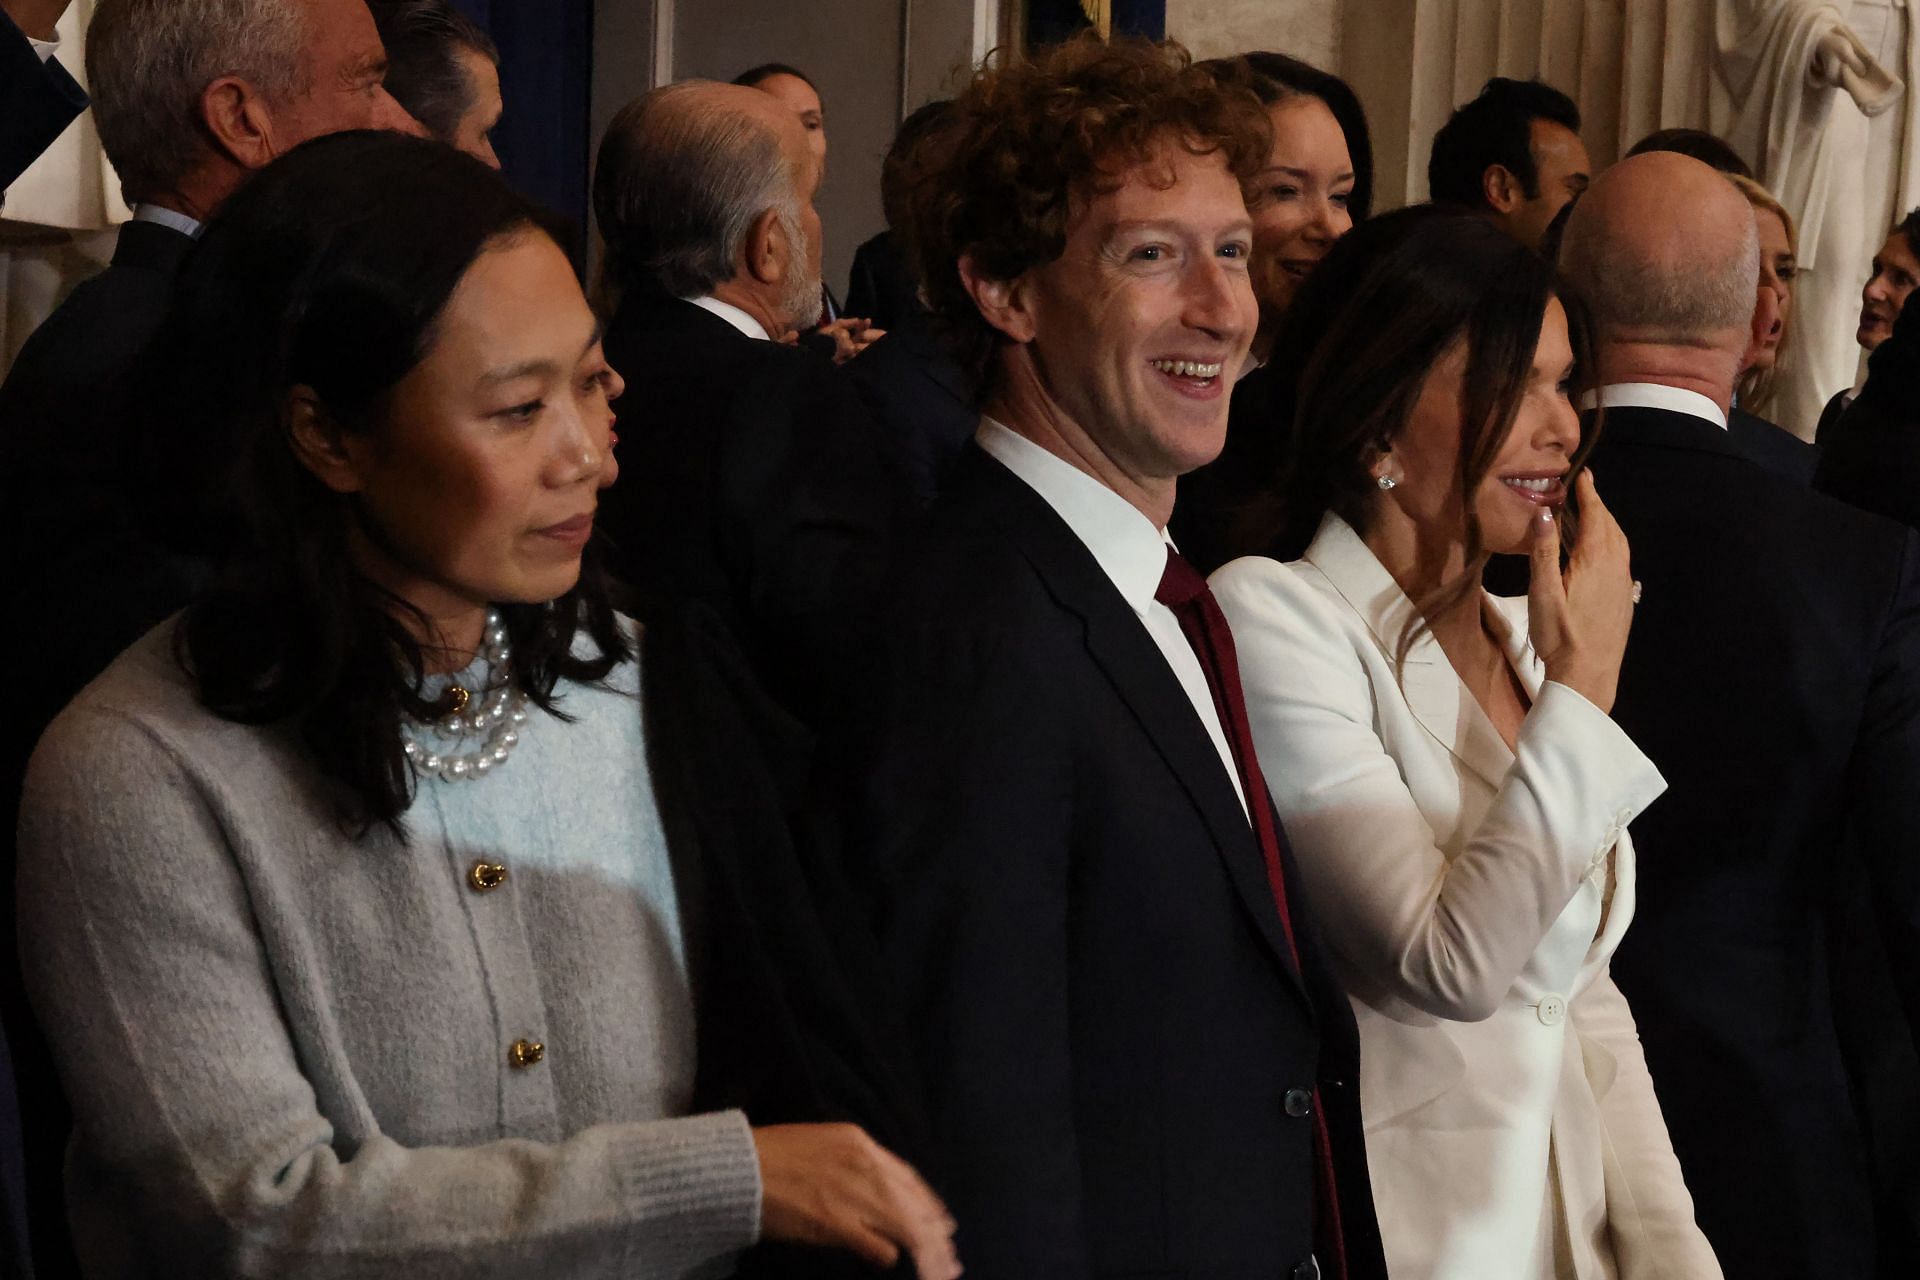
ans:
(1578, 620)
(832, 1185)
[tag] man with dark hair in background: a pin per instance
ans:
(1514, 153)
(1708, 148)
(1896, 271)
(444, 70)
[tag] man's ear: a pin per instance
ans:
(1500, 188)
(1766, 311)
(238, 122)
(1004, 304)
(767, 250)
(321, 446)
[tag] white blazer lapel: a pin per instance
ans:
(1434, 693)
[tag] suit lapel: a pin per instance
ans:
(1432, 688)
(1127, 654)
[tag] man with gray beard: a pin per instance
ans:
(755, 482)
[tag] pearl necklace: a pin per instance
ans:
(495, 718)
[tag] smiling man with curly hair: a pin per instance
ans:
(1136, 1059)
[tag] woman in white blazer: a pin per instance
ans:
(1451, 785)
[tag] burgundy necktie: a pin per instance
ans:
(1184, 591)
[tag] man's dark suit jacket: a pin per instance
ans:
(1114, 1044)
(1872, 448)
(38, 100)
(1830, 415)
(881, 286)
(85, 580)
(787, 1029)
(1773, 446)
(923, 401)
(753, 480)
(1773, 675)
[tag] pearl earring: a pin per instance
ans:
(1386, 482)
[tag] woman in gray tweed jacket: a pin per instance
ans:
(345, 897)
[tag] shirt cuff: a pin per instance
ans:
(45, 48)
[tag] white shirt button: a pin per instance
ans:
(1552, 1010)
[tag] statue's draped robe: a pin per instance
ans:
(1845, 177)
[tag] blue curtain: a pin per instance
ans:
(1051, 21)
(546, 68)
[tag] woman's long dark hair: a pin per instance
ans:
(1354, 351)
(329, 270)
(1275, 77)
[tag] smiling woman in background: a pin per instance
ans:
(1317, 182)
(348, 906)
(1443, 762)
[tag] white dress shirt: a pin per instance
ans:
(45, 48)
(732, 315)
(1131, 552)
(159, 216)
(1655, 395)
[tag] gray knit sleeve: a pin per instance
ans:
(202, 1145)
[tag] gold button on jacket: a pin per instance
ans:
(486, 876)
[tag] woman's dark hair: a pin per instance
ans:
(1909, 227)
(329, 270)
(752, 76)
(1275, 77)
(424, 39)
(1382, 309)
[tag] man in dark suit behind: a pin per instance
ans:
(753, 480)
(1135, 1058)
(38, 98)
(1774, 677)
(188, 99)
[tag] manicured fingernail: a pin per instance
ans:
(1546, 516)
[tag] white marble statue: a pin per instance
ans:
(1814, 96)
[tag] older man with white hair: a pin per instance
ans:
(1774, 677)
(754, 480)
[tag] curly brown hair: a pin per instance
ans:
(1028, 141)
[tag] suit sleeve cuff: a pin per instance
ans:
(1616, 770)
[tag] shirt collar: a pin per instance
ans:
(1129, 549)
(732, 315)
(1655, 395)
(168, 218)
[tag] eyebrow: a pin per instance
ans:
(372, 67)
(1298, 172)
(1127, 226)
(529, 368)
